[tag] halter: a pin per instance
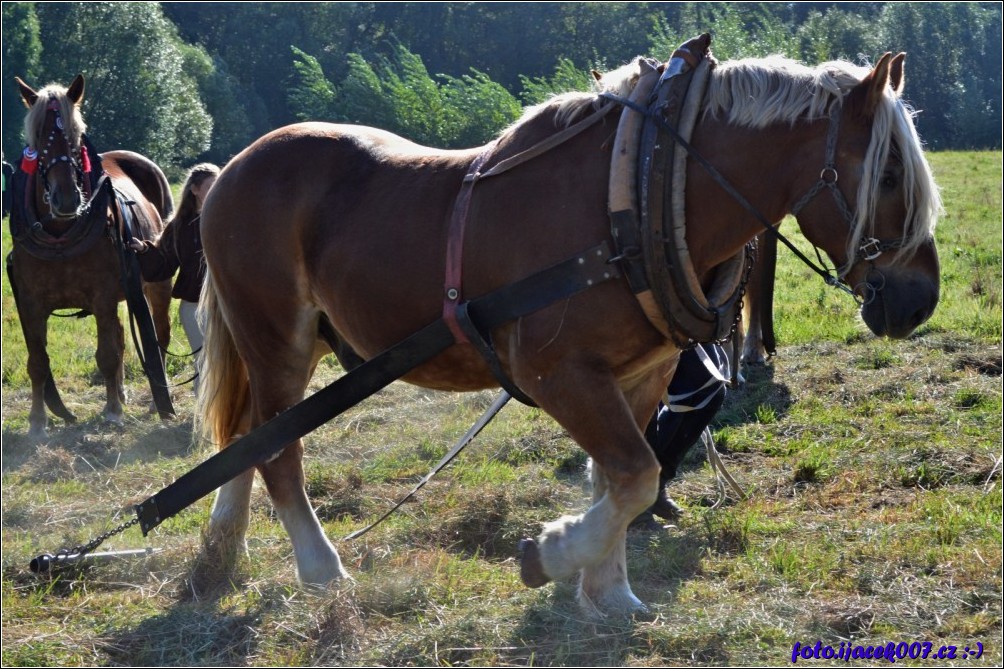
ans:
(33, 161)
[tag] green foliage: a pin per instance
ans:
(566, 77)
(397, 93)
(22, 50)
(479, 107)
(311, 96)
(224, 74)
(737, 31)
(225, 103)
(838, 34)
(138, 95)
(959, 97)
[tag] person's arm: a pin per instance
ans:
(158, 261)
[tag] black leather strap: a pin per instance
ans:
(489, 311)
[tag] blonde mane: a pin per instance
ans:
(755, 93)
(73, 122)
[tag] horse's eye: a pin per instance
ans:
(889, 181)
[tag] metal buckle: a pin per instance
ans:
(870, 249)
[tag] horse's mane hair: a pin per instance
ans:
(73, 121)
(759, 92)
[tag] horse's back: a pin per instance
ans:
(316, 189)
(144, 174)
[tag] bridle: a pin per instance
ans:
(77, 158)
(869, 249)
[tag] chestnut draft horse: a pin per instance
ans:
(323, 237)
(67, 249)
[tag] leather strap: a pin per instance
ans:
(489, 311)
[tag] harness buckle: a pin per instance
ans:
(870, 249)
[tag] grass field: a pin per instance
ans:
(874, 511)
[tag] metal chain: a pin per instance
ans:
(750, 251)
(94, 543)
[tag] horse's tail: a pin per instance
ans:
(223, 392)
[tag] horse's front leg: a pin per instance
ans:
(34, 325)
(111, 348)
(587, 401)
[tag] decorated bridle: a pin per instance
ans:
(77, 158)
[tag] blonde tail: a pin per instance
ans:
(222, 405)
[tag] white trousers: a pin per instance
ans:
(193, 330)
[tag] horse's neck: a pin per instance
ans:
(763, 165)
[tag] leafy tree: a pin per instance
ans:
(22, 50)
(397, 93)
(953, 68)
(838, 34)
(737, 31)
(138, 94)
(360, 98)
(479, 108)
(311, 95)
(225, 103)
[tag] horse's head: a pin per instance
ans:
(54, 130)
(874, 204)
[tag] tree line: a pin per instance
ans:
(182, 82)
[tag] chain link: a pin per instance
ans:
(84, 549)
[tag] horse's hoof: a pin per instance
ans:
(667, 509)
(531, 569)
(115, 419)
(39, 434)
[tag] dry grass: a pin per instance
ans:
(874, 515)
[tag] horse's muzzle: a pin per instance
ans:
(897, 304)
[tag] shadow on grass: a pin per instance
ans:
(760, 399)
(98, 444)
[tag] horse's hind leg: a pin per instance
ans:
(111, 347)
(598, 415)
(279, 369)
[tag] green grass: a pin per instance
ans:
(873, 512)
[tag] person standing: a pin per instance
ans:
(179, 249)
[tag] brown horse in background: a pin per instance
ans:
(318, 228)
(67, 250)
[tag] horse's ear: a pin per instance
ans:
(28, 94)
(896, 73)
(865, 98)
(75, 92)
(596, 75)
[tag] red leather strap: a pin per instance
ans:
(453, 292)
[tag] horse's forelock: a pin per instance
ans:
(73, 121)
(894, 134)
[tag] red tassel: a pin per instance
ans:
(29, 160)
(85, 160)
